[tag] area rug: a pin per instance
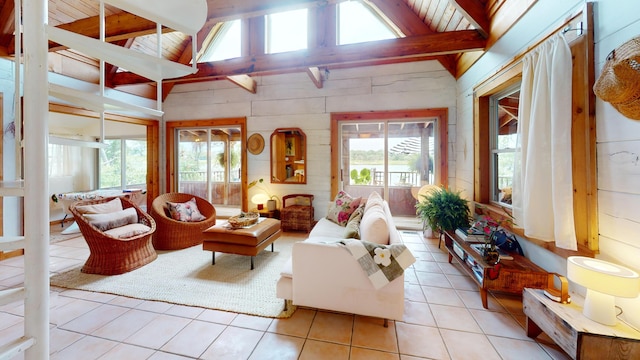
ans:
(187, 277)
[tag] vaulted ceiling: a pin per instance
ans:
(453, 32)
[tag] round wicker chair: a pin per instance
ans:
(173, 234)
(110, 255)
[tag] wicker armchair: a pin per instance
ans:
(111, 255)
(173, 234)
(297, 212)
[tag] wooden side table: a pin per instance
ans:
(510, 276)
(272, 214)
(578, 336)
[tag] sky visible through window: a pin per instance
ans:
(358, 24)
(287, 31)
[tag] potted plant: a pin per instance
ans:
(444, 210)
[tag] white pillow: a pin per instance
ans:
(103, 208)
(374, 227)
(113, 220)
(128, 231)
(374, 200)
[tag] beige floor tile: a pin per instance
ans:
(154, 306)
(454, 318)
(194, 339)
(320, 350)
(277, 347)
(158, 331)
(513, 348)
(427, 266)
(418, 314)
(126, 325)
(370, 333)
(440, 257)
(472, 300)
(332, 327)
(217, 316)
(462, 282)
(436, 295)
(94, 319)
(126, 302)
(298, 324)
(251, 322)
(452, 268)
(233, 344)
(161, 355)
(8, 320)
(184, 311)
(88, 295)
(513, 303)
(421, 341)
(368, 354)
(432, 279)
(72, 310)
(127, 352)
(410, 276)
(413, 292)
(87, 348)
(469, 346)
(7, 272)
(499, 324)
(60, 339)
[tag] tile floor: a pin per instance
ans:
(444, 319)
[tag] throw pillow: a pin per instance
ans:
(374, 227)
(102, 208)
(112, 220)
(352, 229)
(342, 208)
(128, 231)
(186, 211)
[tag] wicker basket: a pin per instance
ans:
(244, 219)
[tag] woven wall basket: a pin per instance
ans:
(619, 83)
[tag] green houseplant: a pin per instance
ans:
(444, 209)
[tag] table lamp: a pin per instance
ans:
(604, 281)
(259, 199)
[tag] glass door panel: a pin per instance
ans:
(393, 157)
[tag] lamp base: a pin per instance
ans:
(271, 205)
(600, 307)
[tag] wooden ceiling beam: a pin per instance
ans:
(353, 54)
(475, 12)
(244, 81)
(315, 75)
(402, 15)
(7, 19)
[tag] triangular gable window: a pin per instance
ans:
(226, 43)
(359, 23)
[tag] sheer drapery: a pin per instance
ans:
(543, 190)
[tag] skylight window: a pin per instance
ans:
(286, 31)
(357, 23)
(227, 43)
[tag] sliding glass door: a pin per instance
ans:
(393, 157)
(209, 164)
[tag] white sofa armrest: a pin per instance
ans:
(326, 276)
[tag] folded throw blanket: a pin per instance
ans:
(381, 263)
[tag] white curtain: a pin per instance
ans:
(543, 190)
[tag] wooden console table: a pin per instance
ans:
(579, 337)
(510, 276)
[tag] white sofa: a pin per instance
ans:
(323, 274)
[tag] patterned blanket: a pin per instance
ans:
(381, 263)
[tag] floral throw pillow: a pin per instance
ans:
(342, 208)
(187, 211)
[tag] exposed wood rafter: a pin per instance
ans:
(245, 82)
(475, 12)
(316, 76)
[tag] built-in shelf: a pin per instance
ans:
(10, 295)
(12, 188)
(151, 67)
(96, 102)
(10, 243)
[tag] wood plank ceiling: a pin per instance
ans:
(453, 32)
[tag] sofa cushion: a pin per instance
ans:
(374, 227)
(186, 211)
(128, 231)
(112, 220)
(373, 200)
(342, 207)
(102, 208)
(326, 228)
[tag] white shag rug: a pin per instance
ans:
(187, 277)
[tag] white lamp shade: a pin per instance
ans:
(604, 281)
(603, 276)
(259, 198)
